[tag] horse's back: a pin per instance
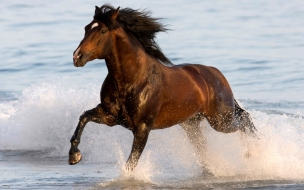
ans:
(209, 80)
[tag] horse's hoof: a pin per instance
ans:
(74, 158)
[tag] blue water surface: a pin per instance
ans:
(258, 45)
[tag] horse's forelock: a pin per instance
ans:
(104, 14)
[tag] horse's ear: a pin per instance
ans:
(115, 14)
(97, 11)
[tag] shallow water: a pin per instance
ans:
(258, 46)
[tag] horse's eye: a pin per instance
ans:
(103, 31)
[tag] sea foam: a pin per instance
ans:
(45, 116)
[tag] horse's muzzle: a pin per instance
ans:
(76, 59)
(77, 56)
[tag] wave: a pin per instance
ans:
(43, 118)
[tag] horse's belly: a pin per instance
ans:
(170, 115)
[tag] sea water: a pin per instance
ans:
(258, 45)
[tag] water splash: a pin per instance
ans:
(277, 154)
(44, 117)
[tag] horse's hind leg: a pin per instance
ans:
(195, 135)
(96, 115)
(232, 121)
(243, 121)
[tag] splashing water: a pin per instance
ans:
(45, 116)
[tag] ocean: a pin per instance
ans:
(258, 45)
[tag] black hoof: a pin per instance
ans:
(74, 158)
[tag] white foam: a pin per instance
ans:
(277, 154)
(45, 117)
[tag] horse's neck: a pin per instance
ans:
(128, 60)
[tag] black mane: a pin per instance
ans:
(140, 24)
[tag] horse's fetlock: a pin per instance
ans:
(75, 142)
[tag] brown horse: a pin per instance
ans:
(144, 90)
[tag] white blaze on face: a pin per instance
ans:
(94, 25)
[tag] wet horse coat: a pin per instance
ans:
(144, 91)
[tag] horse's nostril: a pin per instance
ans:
(79, 56)
(76, 57)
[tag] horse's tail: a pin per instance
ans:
(245, 122)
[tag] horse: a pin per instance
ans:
(145, 91)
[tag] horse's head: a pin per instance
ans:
(97, 41)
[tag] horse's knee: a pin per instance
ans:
(85, 115)
(97, 115)
(84, 118)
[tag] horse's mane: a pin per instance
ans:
(139, 24)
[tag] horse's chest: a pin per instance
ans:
(136, 107)
(131, 107)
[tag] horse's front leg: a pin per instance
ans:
(96, 115)
(140, 139)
